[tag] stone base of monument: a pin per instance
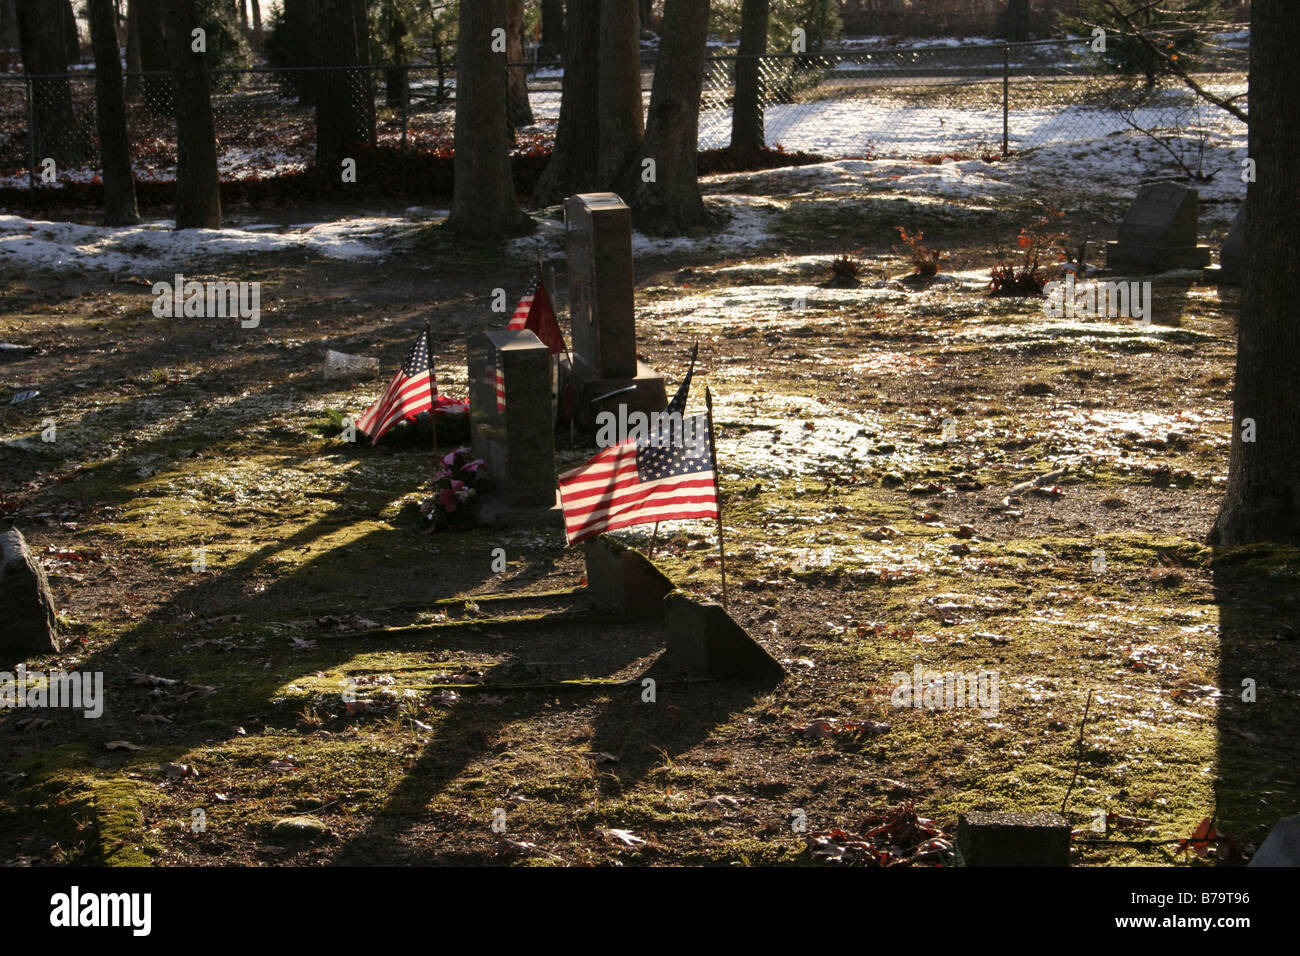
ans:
(1013, 839)
(495, 512)
(1129, 258)
(646, 392)
(709, 643)
(623, 579)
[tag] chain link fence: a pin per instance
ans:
(912, 101)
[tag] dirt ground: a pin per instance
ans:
(864, 539)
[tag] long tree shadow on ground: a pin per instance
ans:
(1258, 753)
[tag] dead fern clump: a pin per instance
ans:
(1040, 249)
(925, 261)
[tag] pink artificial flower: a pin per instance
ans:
(474, 465)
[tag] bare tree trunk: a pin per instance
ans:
(345, 117)
(8, 23)
(198, 189)
(518, 111)
(1013, 22)
(662, 184)
(73, 38)
(747, 107)
(243, 14)
(132, 49)
(397, 89)
(257, 20)
(154, 58)
(1262, 499)
(484, 205)
(42, 37)
(621, 114)
(575, 158)
(110, 106)
(552, 45)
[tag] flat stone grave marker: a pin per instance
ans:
(598, 240)
(1159, 232)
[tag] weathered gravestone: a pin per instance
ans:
(1232, 255)
(26, 604)
(1158, 232)
(512, 425)
(708, 642)
(598, 238)
(1282, 845)
(1013, 839)
(623, 579)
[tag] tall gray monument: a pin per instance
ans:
(598, 233)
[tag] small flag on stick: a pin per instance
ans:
(535, 312)
(410, 392)
(640, 482)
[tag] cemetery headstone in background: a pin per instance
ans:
(598, 237)
(512, 424)
(1159, 232)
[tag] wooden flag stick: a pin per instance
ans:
(433, 392)
(717, 493)
(654, 538)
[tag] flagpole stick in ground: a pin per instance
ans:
(654, 538)
(433, 392)
(717, 493)
(541, 278)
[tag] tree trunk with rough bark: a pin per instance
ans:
(1262, 499)
(574, 165)
(154, 59)
(110, 108)
(552, 45)
(621, 114)
(662, 183)
(345, 119)
(42, 38)
(484, 205)
(198, 189)
(747, 107)
(519, 111)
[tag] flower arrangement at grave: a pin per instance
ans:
(456, 488)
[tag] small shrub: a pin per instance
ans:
(845, 271)
(925, 261)
(1029, 274)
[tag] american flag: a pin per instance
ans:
(640, 482)
(409, 393)
(535, 312)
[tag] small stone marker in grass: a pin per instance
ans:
(1013, 839)
(27, 615)
(1158, 232)
(622, 578)
(709, 643)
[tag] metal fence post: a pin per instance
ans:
(31, 141)
(1006, 95)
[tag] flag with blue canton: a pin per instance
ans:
(640, 482)
(409, 393)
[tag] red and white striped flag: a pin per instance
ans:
(535, 312)
(409, 393)
(639, 482)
